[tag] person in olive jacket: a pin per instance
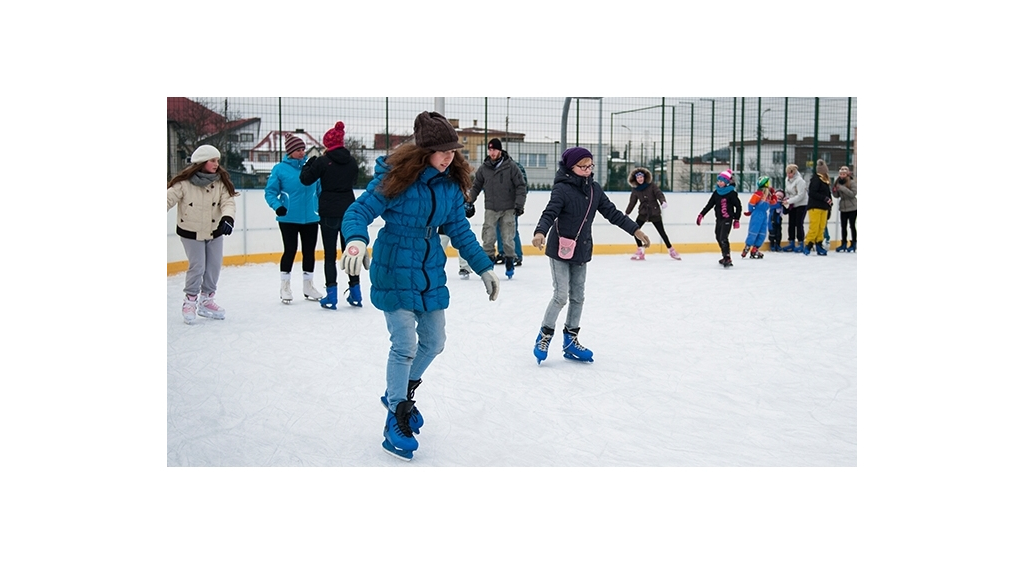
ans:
(567, 221)
(337, 172)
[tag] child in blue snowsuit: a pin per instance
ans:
(757, 209)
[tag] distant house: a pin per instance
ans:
(269, 151)
(473, 138)
(190, 124)
(776, 154)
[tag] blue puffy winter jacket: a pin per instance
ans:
(407, 270)
(285, 189)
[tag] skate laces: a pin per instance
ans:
(207, 303)
(575, 342)
(543, 342)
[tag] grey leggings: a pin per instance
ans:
(204, 261)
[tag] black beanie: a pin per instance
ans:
(494, 144)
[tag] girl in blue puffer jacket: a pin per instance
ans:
(416, 190)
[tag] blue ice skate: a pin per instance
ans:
(355, 296)
(398, 439)
(540, 349)
(572, 349)
(416, 418)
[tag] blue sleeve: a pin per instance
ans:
(361, 214)
(273, 193)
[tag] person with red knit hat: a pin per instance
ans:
(727, 213)
(336, 171)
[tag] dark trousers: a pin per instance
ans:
(722, 229)
(849, 217)
(330, 230)
(290, 234)
(775, 231)
(658, 224)
(796, 223)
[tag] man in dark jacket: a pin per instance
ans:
(502, 182)
(337, 172)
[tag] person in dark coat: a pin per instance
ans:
(568, 220)
(727, 213)
(337, 172)
(651, 201)
(819, 205)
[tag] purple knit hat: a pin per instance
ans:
(573, 155)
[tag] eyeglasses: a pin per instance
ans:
(588, 167)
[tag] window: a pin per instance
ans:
(827, 157)
(531, 159)
(246, 137)
(263, 158)
(233, 137)
(542, 161)
(778, 157)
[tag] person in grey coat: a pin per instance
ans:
(505, 198)
(845, 188)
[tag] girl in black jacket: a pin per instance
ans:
(727, 213)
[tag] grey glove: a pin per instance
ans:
(490, 283)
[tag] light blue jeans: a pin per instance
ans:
(416, 338)
(569, 281)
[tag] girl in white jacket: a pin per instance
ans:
(204, 195)
(796, 204)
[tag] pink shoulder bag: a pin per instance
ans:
(567, 246)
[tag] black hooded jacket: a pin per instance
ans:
(337, 172)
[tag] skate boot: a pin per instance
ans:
(746, 249)
(672, 253)
(355, 296)
(331, 300)
(188, 309)
(286, 287)
(307, 288)
(806, 250)
(398, 439)
(510, 266)
(841, 248)
(853, 247)
(463, 273)
(209, 308)
(821, 249)
(519, 261)
(416, 418)
(756, 253)
(789, 248)
(571, 347)
(639, 254)
(727, 262)
(540, 349)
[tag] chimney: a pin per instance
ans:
(834, 138)
(454, 122)
(474, 123)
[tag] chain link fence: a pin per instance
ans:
(683, 141)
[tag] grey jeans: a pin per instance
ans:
(204, 260)
(569, 281)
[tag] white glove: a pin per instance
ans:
(354, 256)
(664, 204)
(490, 283)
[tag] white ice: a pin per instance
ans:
(695, 366)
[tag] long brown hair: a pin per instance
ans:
(225, 176)
(409, 161)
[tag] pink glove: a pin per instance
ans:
(736, 224)
(664, 204)
(700, 216)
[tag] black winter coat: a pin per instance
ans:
(567, 210)
(819, 194)
(726, 206)
(337, 172)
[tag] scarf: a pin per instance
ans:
(203, 179)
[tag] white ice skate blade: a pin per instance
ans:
(209, 314)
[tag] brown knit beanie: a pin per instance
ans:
(433, 132)
(822, 168)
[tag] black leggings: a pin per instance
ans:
(658, 224)
(290, 234)
(849, 217)
(796, 223)
(330, 229)
(722, 229)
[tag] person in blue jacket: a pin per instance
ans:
(296, 206)
(567, 222)
(416, 190)
(758, 208)
(775, 213)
